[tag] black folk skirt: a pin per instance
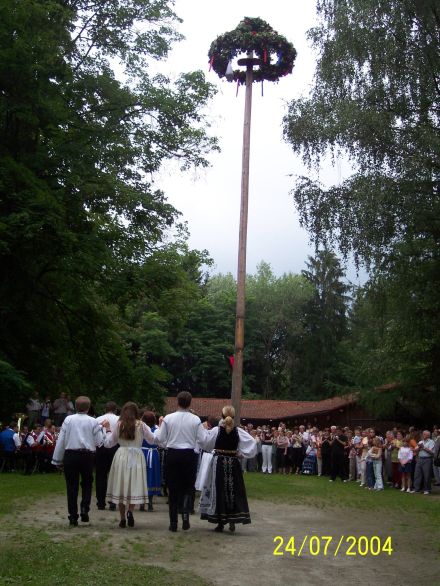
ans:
(223, 499)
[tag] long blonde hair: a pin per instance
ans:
(228, 414)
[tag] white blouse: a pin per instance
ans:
(112, 437)
(247, 446)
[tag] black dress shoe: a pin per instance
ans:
(101, 508)
(73, 522)
(112, 506)
(173, 527)
(122, 523)
(130, 519)
(219, 528)
(85, 517)
(232, 527)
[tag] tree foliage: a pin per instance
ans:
(276, 306)
(376, 100)
(325, 323)
(274, 309)
(80, 215)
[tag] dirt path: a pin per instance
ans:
(246, 557)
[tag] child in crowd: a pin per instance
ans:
(405, 455)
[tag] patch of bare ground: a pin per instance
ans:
(246, 557)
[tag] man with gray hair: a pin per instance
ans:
(80, 435)
(423, 472)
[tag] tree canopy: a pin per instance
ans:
(376, 100)
(81, 218)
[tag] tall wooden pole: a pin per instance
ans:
(237, 373)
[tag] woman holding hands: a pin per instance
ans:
(223, 499)
(126, 482)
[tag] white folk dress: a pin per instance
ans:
(126, 482)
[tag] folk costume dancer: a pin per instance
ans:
(223, 499)
(204, 457)
(126, 485)
(104, 457)
(152, 460)
(75, 449)
(180, 432)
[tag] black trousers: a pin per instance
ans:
(181, 472)
(103, 463)
(78, 465)
(29, 458)
(338, 466)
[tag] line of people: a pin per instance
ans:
(125, 446)
(408, 460)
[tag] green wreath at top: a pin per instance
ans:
(253, 34)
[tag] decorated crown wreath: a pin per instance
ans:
(252, 34)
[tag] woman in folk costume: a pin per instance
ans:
(205, 457)
(223, 499)
(126, 485)
(152, 460)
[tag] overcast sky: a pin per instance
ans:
(210, 199)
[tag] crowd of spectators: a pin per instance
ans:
(407, 460)
(28, 441)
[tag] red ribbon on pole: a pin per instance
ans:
(265, 56)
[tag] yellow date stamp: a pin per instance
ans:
(327, 545)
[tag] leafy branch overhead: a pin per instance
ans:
(376, 102)
(80, 213)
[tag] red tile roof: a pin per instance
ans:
(261, 409)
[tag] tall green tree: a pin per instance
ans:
(201, 363)
(275, 307)
(325, 322)
(274, 310)
(78, 150)
(376, 100)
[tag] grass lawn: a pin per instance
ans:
(17, 490)
(319, 492)
(54, 554)
(78, 561)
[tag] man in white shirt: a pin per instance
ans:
(180, 433)
(425, 454)
(104, 457)
(79, 437)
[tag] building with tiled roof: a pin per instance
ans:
(337, 410)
